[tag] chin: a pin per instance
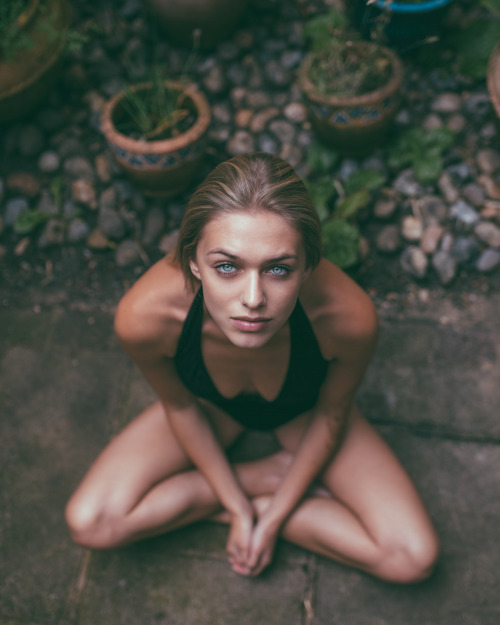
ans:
(249, 341)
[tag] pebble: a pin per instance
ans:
(412, 228)
(241, 142)
(103, 168)
(388, 240)
(2, 190)
(260, 120)
(491, 210)
(447, 188)
(49, 162)
(243, 117)
(30, 141)
(78, 167)
(447, 103)
(153, 225)
(407, 184)
(432, 121)
(285, 131)
(490, 186)
(488, 161)
(385, 208)
(431, 237)
(431, 209)
(111, 224)
(128, 253)
(464, 213)
(52, 234)
(23, 183)
(474, 194)
(295, 112)
(97, 240)
(78, 230)
(83, 192)
(267, 143)
(477, 104)
(488, 233)
(13, 208)
(489, 260)
(221, 113)
(465, 249)
(456, 123)
(414, 261)
(46, 204)
(445, 266)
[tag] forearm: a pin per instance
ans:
(197, 438)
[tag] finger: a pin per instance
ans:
(241, 569)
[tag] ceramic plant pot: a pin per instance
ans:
(162, 168)
(407, 23)
(493, 81)
(215, 19)
(357, 124)
(28, 73)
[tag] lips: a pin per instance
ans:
(250, 324)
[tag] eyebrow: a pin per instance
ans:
(277, 259)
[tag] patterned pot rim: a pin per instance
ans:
(194, 133)
(311, 91)
(409, 7)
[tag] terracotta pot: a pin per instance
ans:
(27, 76)
(215, 18)
(353, 125)
(493, 81)
(162, 168)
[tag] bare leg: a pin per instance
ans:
(143, 484)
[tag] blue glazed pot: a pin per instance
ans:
(408, 24)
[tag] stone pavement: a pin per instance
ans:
(65, 388)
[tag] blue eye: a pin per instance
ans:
(279, 270)
(225, 268)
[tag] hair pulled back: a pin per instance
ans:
(245, 183)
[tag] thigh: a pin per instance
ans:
(143, 454)
(368, 479)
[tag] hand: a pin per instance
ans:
(238, 543)
(262, 547)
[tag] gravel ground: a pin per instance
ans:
(100, 233)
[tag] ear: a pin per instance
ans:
(195, 270)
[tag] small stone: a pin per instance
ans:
(261, 119)
(406, 184)
(363, 248)
(477, 104)
(23, 183)
(414, 261)
(488, 233)
(236, 74)
(388, 240)
(267, 143)
(219, 135)
(474, 194)
(168, 242)
(258, 99)
(240, 143)
(296, 112)
(124, 190)
(488, 161)
(107, 199)
(111, 224)
(447, 242)
(432, 209)
(97, 241)
(243, 117)
(291, 58)
(464, 213)
(385, 208)
(431, 237)
(13, 209)
(2, 190)
(78, 167)
(215, 82)
(103, 168)
(78, 230)
(460, 171)
(432, 121)
(153, 225)
(46, 204)
(456, 123)
(52, 234)
(83, 192)
(488, 131)
(49, 162)
(491, 210)
(412, 228)
(292, 154)
(128, 254)
(22, 246)
(489, 260)
(70, 146)
(31, 141)
(445, 266)
(447, 103)
(221, 113)
(490, 186)
(403, 117)
(277, 75)
(348, 166)
(447, 188)
(285, 131)
(464, 249)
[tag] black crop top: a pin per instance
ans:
(300, 390)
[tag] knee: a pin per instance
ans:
(410, 561)
(87, 524)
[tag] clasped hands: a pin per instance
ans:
(251, 542)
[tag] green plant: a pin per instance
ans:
(339, 204)
(12, 19)
(340, 66)
(422, 150)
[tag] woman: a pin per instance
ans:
(247, 327)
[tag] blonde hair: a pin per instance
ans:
(249, 182)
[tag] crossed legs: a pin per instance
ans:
(143, 485)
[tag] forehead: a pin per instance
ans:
(262, 231)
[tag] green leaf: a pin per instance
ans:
(427, 170)
(341, 242)
(29, 220)
(322, 159)
(322, 193)
(492, 5)
(321, 29)
(349, 206)
(364, 179)
(474, 44)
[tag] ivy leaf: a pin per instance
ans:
(322, 159)
(428, 169)
(349, 206)
(364, 179)
(322, 192)
(29, 220)
(341, 242)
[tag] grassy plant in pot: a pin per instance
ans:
(33, 35)
(351, 87)
(156, 131)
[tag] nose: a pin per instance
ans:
(253, 295)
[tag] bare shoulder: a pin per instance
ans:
(341, 312)
(150, 316)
